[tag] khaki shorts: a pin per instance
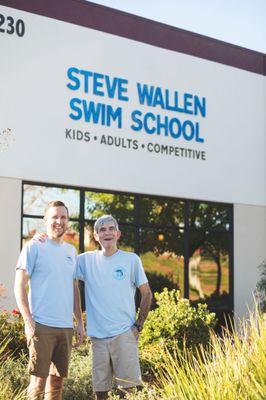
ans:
(50, 350)
(115, 358)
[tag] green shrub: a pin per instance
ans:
(175, 320)
(261, 287)
(78, 385)
(12, 327)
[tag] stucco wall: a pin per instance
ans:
(249, 252)
(10, 211)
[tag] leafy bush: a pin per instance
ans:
(12, 327)
(261, 287)
(78, 385)
(175, 320)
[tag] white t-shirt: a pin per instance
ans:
(110, 286)
(51, 268)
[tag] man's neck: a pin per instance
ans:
(109, 251)
(57, 240)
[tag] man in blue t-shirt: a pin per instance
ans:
(50, 270)
(111, 277)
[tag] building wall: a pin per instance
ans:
(10, 212)
(249, 252)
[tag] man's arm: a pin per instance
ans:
(78, 315)
(145, 305)
(21, 281)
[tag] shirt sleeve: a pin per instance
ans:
(140, 276)
(80, 269)
(27, 258)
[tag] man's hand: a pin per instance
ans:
(79, 334)
(39, 237)
(29, 329)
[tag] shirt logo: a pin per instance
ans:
(119, 273)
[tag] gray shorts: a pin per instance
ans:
(117, 359)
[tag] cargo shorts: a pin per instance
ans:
(49, 351)
(117, 359)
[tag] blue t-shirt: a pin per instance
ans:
(110, 286)
(51, 268)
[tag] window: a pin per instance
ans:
(183, 244)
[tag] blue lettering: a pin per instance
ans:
(188, 103)
(200, 106)
(145, 123)
(175, 133)
(145, 94)
(162, 125)
(73, 78)
(158, 98)
(122, 88)
(188, 135)
(113, 115)
(87, 75)
(74, 107)
(134, 116)
(98, 84)
(197, 137)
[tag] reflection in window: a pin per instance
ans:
(162, 257)
(72, 234)
(162, 212)
(209, 216)
(209, 269)
(30, 227)
(90, 243)
(36, 198)
(168, 234)
(119, 205)
(37, 225)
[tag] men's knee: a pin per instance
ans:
(36, 386)
(56, 382)
(37, 382)
(101, 395)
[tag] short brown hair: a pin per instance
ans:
(55, 203)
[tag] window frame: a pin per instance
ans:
(137, 224)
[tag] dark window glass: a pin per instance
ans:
(30, 227)
(126, 241)
(161, 212)
(155, 228)
(161, 253)
(209, 216)
(209, 268)
(119, 205)
(36, 225)
(35, 199)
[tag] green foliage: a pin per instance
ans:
(158, 281)
(12, 326)
(78, 384)
(261, 287)
(175, 320)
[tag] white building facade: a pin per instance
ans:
(163, 128)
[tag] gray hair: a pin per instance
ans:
(103, 220)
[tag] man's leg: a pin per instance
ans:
(36, 388)
(102, 370)
(53, 388)
(101, 395)
(125, 360)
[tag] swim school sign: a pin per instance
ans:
(90, 83)
(83, 107)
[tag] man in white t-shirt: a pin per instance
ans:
(111, 277)
(50, 269)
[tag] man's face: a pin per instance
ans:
(107, 235)
(56, 221)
